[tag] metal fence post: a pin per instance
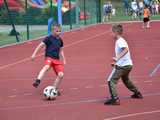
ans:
(70, 14)
(26, 9)
(84, 6)
(10, 17)
(98, 10)
(51, 8)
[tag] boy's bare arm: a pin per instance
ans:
(37, 49)
(62, 56)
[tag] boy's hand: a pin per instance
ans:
(114, 60)
(113, 64)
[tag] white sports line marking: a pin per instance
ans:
(66, 46)
(74, 88)
(85, 100)
(146, 81)
(132, 115)
(89, 86)
(12, 96)
(69, 45)
(28, 94)
(154, 70)
(15, 63)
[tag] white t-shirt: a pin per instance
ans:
(141, 5)
(134, 6)
(126, 59)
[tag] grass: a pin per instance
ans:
(6, 39)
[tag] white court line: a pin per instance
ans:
(66, 46)
(89, 86)
(74, 88)
(12, 96)
(146, 81)
(84, 40)
(28, 94)
(131, 22)
(85, 100)
(15, 63)
(154, 70)
(132, 115)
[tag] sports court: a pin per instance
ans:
(84, 88)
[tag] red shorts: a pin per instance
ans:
(57, 65)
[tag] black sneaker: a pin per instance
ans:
(137, 96)
(112, 101)
(36, 83)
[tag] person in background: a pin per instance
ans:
(146, 17)
(107, 8)
(134, 7)
(140, 9)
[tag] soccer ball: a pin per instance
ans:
(50, 93)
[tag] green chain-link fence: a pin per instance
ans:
(31, 19)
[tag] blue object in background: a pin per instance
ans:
(38, 2)
(50, 22)
(59, 12)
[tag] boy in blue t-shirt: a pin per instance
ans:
(53, 52)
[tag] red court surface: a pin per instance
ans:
(88, 52)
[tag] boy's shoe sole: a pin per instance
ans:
(36, 83)
(137, 96)
(112, 102)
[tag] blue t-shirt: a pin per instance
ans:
(108, 8)
(53, 46)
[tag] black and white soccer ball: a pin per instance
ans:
(50, 93)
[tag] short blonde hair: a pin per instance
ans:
(117, 28)
(56, 25)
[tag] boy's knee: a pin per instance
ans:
(113, 80)
(60, 74)
(46, 67)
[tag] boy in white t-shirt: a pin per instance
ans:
(122, 65)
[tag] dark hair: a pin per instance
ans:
(117, 28)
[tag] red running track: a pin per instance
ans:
(88, 52)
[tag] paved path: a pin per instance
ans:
(19, 28)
